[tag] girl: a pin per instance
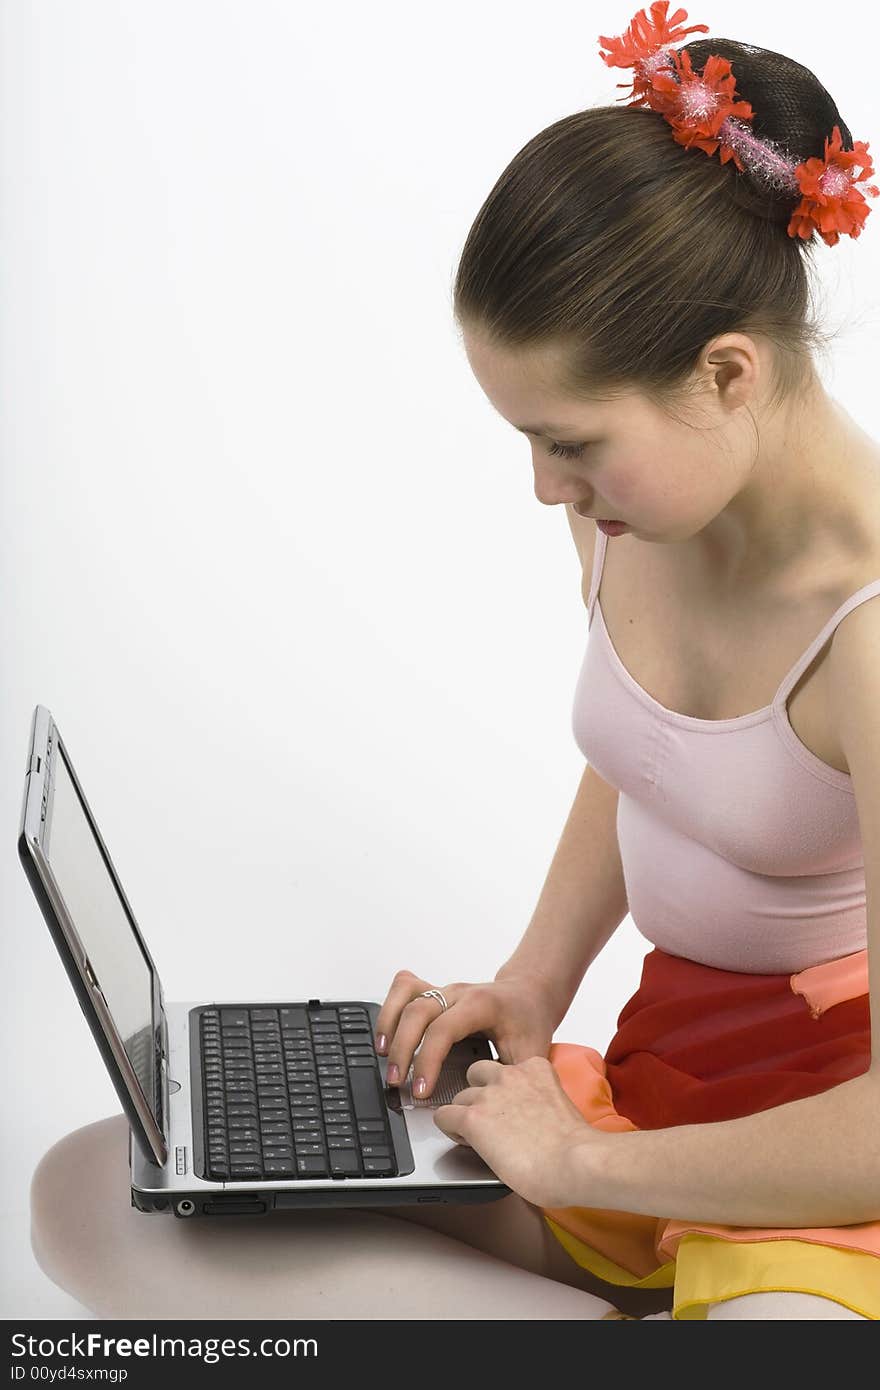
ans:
(638, 311)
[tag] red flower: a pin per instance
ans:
(699, 103)
(640, 47)
(831, 203)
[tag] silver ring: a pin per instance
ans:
(433, 994)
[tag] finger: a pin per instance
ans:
(482, 1072)
(404, 987)
(416, 1019)
(469, 1096)
(450, 1119)
(470, 1014)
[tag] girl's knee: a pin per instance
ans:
(779, 1304)
(81, 1171)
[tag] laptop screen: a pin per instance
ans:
(102, 924)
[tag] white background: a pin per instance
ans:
(268, 555)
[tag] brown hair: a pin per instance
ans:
(605, 236)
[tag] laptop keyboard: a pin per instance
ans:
(293, 1093)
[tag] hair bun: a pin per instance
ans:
(792, 112)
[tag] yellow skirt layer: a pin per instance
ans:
(710, 1269)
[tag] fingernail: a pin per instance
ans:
(392, 1074)
(420, 1085)
(380, 1042)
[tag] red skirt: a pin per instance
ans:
(695, 1045)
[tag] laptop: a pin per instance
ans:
(243, 1107)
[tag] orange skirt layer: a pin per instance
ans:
(694, 1045)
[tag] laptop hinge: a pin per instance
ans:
(162, 1073)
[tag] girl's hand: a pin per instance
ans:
(517, 1013)
(519, 1120)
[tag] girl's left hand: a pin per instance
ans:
(517, 1117)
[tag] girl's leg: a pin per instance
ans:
(514, 1230)
(806, 1307)
(121, 1263)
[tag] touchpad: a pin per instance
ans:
(453, 1075)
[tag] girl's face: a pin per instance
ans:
(621, 460)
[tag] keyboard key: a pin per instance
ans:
(279, 1168)
(345, 1162)
(312, 1167)
(378, 1165)
(366, 1094)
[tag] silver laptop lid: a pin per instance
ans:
(93, 927)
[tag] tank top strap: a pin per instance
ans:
(867, 591)
(598, 565)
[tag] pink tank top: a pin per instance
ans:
(740, 848)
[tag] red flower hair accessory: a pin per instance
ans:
(703, 111)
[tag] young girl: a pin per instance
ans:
(638, 311)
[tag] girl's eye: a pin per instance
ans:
(569, 451)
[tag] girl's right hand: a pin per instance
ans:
(516, 1013)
